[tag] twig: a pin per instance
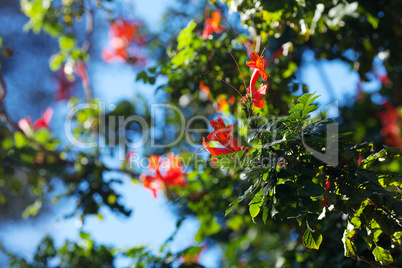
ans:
(85, 48)
(3, 90)
(15, 127)
(368, 261)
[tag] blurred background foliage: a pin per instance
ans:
(60, 41)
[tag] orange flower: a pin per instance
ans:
(257, 62)
(205, 89)
(212, 25)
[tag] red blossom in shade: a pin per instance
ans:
(359, 161)
(384, 79)
(205, 89)
(327, 185)
(257, 95)
(213, 25)
(64, 88)
(391, 125)
(324, 202)
(44, 121)
(81, 71)
(258, 63)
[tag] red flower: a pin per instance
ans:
(256, 94)
(151, 183)
(359, 161)
(257, 62)
(154, 162)
(81, 71)
(112, 54)
(44, 121)
(212, 25)
(167, 172)
(215, 151)
(391, 125)
(327, 185)
(122, 34)
(223, 135)
(324, 202)
(205, 89)
(173, 176)
(64, 88)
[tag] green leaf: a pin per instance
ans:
(310, 101)
(382, 255)
(20, 140)
(298, 107)
(265, 214)
(310, 189)
(309, 109)
(312, 239)
(66, 42)
(348, 245)
(293, 116)
(303, 99)
(55, 62)
(255, 205)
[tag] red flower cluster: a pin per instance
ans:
(212, 25)
(124, 34)
(391, 125)
(223, 135)
(166, 172)
(257, 95)
(25, 124)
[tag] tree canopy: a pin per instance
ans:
(232, 135)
